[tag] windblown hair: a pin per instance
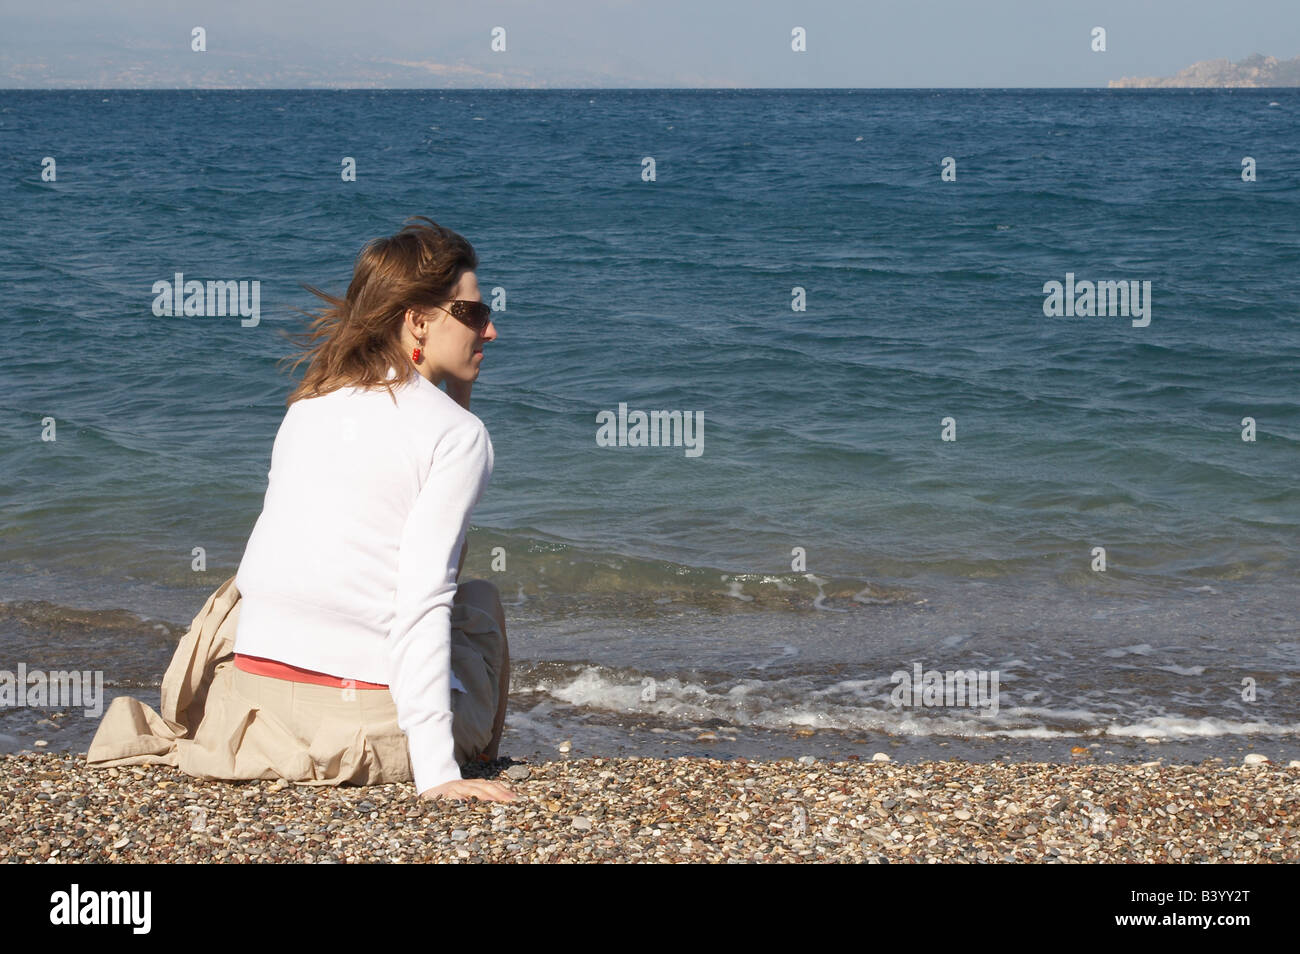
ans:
(355, 339)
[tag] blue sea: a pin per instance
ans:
(906, 463)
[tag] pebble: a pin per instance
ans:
(880, 757)
(666, 810)
(1254, 758)
(517, 773)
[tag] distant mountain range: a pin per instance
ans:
(1254, 70)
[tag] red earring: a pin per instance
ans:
(415, 355)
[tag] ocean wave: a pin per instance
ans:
(853, 706)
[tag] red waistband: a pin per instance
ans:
(260, 666)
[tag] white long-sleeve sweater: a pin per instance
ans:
(351, 568)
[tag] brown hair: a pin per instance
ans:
(357, 338)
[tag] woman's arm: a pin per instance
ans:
(459, 392)
(420, 638)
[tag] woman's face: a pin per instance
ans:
(451, 349)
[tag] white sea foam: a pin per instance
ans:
(1176, 727)
(1141, 649)
(863, 705)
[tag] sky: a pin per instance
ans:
(620, 43)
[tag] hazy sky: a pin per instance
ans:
(655, 43)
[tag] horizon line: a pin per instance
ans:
(603, 89)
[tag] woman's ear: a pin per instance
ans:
(416, 323)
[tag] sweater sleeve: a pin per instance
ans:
(419, 643)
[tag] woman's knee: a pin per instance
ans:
(483, 594)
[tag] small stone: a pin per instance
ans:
(565, 747)
(40, 743)
(961, 814)
(880, 757)
(707, 737)
(1254, 758)
(879, 835)
(518, 773)
(582, 823)
(1151, 741)
(807, 760)
(459, 834)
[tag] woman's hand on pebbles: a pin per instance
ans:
(471, 788)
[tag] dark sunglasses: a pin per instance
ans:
(474, 314)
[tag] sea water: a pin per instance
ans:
(916, 454)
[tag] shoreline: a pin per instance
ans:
(666, 809)
(1125, 676)
(611, 736)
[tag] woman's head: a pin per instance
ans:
(401, 297)
(450, 336)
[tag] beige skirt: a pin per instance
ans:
(219, 722)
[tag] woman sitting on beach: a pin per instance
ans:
(343, 649)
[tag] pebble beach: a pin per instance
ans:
(55, 809)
